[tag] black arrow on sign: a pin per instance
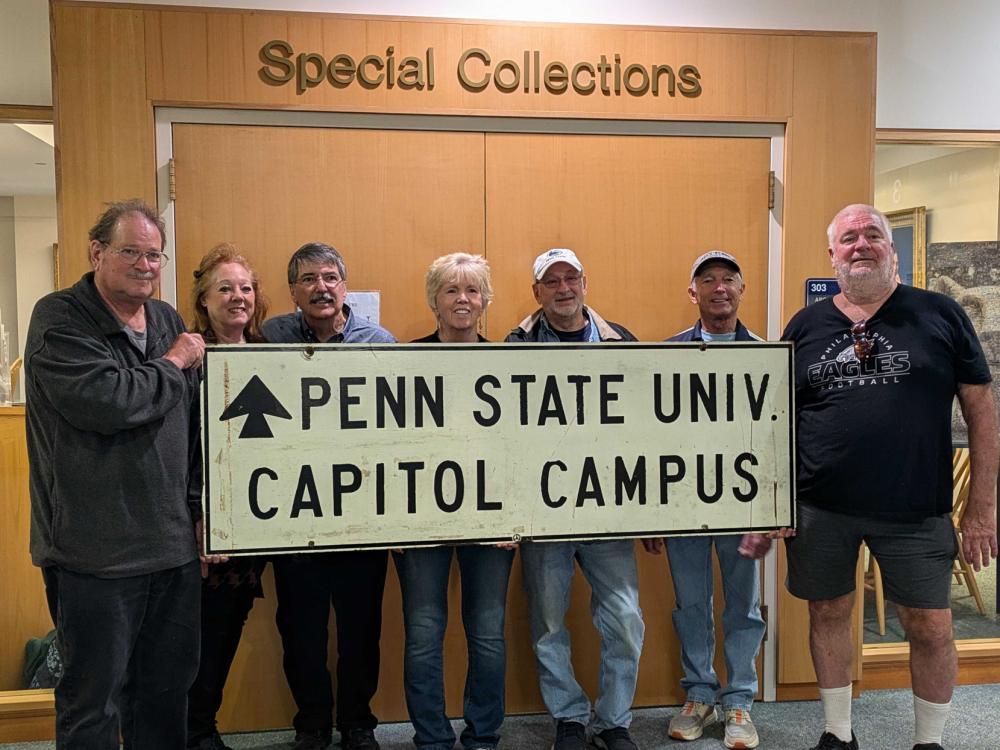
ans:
(256, 402)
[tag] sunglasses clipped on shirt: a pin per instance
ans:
(864, 344)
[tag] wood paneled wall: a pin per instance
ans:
(113, 64)
(24, 613)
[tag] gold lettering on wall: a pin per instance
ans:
(309, 69)
(476, 71)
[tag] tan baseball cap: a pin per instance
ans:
(714, 256)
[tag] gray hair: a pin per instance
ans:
(115, 212)
(454, 266)
(315, 252)
(860, 208)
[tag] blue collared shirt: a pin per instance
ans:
(293, 329)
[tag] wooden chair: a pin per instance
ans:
(873, 582)
(15, 370)
(962, 569)
(959, 464)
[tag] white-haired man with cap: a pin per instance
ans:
(560, 287)
(716, 287)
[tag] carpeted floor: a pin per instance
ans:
(883, 720)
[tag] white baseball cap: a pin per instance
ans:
(555, 255)
(714, 256)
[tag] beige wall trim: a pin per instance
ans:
(27, 715)
(550, 123)
(469, 21)
(25, 113)
(888, 665)
(938, 137)
(887, 653)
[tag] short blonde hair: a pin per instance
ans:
(225, 253)
(455, 267)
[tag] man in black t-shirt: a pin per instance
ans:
(876, 370)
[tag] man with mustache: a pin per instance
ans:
(877, 367)
(306, 584)
(560, 287)
(716, 287)
(115, 483)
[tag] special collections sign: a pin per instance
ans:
(476, 69)
(353, 446)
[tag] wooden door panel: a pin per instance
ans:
(389, 201)
(637, 210)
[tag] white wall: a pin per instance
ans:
(8, 284)
(960, 189)
(34, 234)
(938, 62)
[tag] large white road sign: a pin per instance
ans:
(353, 446)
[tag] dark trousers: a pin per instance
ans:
(224, 610)
(130, 651)
(306, 586)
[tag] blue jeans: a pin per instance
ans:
(423, 578)
(742, 626)
(609, 567)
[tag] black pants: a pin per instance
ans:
(306, 585)
(130, 651)
(224, 610)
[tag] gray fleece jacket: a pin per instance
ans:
(113, 471)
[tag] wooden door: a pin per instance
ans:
(389, 201)
(637, 209)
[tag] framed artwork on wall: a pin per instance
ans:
(909, 234)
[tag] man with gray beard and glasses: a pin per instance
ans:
(876, 370)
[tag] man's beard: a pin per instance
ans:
(866, 287)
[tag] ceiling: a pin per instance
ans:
(26, 161)
(892, 156)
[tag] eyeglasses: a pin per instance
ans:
(310, 280)
(553, 284)
(863, 345)
(131, 255)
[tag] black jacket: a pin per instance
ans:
(113, 473)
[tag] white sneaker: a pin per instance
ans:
(740, 731)
(692, 720)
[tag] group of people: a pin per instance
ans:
(112, 380)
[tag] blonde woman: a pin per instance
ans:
(458, 291)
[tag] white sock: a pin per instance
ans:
(928, 720)
(837, 710)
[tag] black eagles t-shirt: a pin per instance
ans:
(874, 437)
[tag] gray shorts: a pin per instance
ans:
(915, 557)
